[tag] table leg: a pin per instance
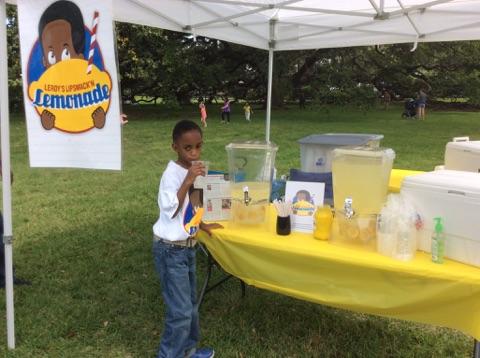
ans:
(476, 349)
(205, 287)
(207, 278)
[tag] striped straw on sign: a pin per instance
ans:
(93, 42)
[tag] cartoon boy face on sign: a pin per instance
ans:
(68, 92)
(61, 34)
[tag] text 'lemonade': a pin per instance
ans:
(71, 95)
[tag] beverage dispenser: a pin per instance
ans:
(362, 174)
(360, 186)
(250, 167)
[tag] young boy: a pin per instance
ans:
(174, 244)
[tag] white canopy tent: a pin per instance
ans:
(273, 25)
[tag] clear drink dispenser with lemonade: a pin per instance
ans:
(250, 167)
(360, 186)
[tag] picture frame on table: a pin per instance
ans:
(305, 198)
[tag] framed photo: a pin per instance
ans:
(305, 197)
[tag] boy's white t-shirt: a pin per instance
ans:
(184, 224)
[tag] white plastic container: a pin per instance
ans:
(455, 197)
(316, 149)
(463, 156)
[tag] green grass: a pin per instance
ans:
(84, 240)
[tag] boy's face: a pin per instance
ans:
(57, 43)
(188, 147)
(301, 196)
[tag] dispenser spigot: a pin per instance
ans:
(246, 198)
(348, 209)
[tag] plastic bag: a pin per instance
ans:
(397, 228)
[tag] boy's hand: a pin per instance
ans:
(194, 171)
(209, 227)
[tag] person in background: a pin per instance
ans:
(174, 241)
(248, 111)
(203, 112)
(301, 100)
(421, 103)
(387, 98)
(226, 110)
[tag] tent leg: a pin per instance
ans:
(269, 95)
(6, 183)
(476, 349)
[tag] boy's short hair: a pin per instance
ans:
(70, 12)
(184, 126)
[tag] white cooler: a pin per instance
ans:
(455, 197)
(463, 156)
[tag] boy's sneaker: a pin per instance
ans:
(204, 353)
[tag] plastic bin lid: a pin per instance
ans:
(340, 139)
(364, 152)
(252, 145)
(468, 146)
(456, 183)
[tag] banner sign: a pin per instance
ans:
(70, 86)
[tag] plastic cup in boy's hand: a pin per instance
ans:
(200, 180)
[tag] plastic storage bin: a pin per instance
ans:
(316, 149)
(250, 170)
(362, 174)
(463, 156)
(455, 197)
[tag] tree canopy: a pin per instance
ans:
(177, 68)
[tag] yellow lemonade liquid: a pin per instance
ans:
(364, 179)
(255, 213)
(323, 222)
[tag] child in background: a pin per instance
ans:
(203, 112)
(248, 110)
(174, 244)
(226, 110)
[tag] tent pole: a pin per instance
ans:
(269, 94)
(6, 183)
(271, 46)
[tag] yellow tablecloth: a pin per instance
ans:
(300, 266)
(396, 178)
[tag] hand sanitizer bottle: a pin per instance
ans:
(438, 242)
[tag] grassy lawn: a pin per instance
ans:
(84, 240)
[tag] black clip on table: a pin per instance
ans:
(210, 264)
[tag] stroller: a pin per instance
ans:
(410, 110)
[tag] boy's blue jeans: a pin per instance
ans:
(175, 266)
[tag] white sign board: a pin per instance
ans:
(70, 83)
(217, 199)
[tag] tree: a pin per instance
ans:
(15, 94)
(177, 67)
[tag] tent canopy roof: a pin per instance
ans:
(308, 24)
